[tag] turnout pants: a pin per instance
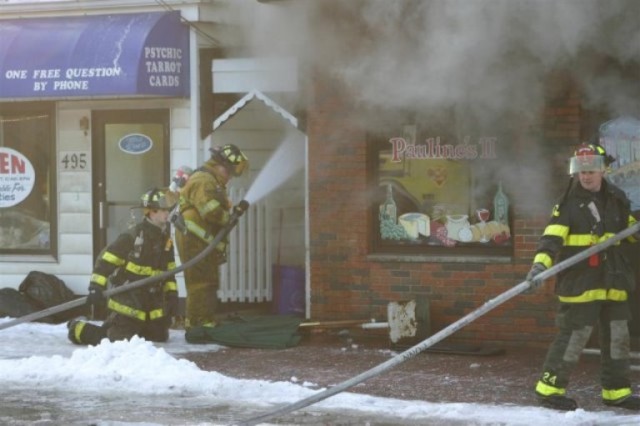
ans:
(124, 328)
(201, 281)
(118, 327)
(576, 322)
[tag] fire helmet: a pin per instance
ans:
(231, 158)
(589, 158)
(154, 199)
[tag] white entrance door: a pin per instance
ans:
(130, 156)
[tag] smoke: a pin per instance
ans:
(490, 55)
(484, 62)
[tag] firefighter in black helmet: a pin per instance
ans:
(205, 209)
(143, 251)
(592, 292)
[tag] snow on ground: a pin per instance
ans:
(36, 356)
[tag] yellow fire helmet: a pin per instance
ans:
(231, 158)
(154, 199)
(589, 158)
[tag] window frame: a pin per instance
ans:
(377, 142)
(22, 109)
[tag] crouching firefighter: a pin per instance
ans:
(593, 292)
(143, 251)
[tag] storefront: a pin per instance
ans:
(397, 200)
(93, 111)
(97, 109)
(443, 210)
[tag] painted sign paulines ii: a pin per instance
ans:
(432, 149)
(17, 177)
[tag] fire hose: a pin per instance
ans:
(237, 211)
(445, 332)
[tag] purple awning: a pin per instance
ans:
(142, 54)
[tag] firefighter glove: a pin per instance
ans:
(171, 302)
(177, 219)
(96, 296)
(536, 269)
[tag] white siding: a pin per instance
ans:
(238, 75)
(75, 236)
(258, 131)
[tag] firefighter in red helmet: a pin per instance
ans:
(205, 209)
(593, 292)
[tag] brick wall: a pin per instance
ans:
(345, 284)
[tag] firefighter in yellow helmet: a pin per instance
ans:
(143, 251)
(593, 292)
(205, 209)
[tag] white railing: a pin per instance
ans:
(246, 277)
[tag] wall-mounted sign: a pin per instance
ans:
(71, 161)
(437, 194)
(17, 177)
(405, 149)
(135, 143)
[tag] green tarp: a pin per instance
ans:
(269, 332)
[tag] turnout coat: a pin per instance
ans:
(580, 220)
(204, 206)
(142, 252)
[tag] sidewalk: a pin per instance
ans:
(329, 358)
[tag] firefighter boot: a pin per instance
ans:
(82, 332)
(557, 402)
(630, 402)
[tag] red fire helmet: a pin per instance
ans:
(588, 158)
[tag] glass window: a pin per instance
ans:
(621, 139)
(27, 179)
(438, 194)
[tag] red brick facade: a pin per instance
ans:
(347, 283)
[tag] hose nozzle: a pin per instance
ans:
(240, 208)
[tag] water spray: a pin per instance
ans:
(282, 165)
